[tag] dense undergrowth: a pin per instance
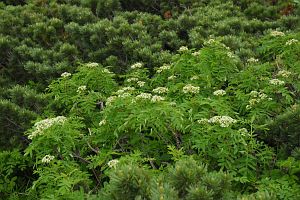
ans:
(149, 100)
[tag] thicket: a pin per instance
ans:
(149, 99)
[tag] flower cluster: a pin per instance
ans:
(81, 89)
(106, 71)
(171, 77)
(190, 89)
(276, 82)
(144, 96)
(156, 98)
(210, 41)
(291, 42)
(163, 68)
(141, 83)
(40, 126)
(113, 163)
(223, 121)
(196, 53)
(284, 73)
(243, 131)
(252, 60)
(160, 90)
(125, 89)
(65, 74)
(277, 33)
(256, 97)
(132, 80)
(219, 93)
(194, 78)
(102, 122)
(110, 99)
(183, 49)
(137, 65)
(202, 121)
(92, 64)
(47, 159)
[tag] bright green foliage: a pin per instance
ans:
(178, 99)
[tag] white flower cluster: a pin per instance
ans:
(137, 65)
(171, 77)
(189, 88)
(291, 42)
(257, 97)
(102, 122)
(132, 80)
(106, 71)
(252, 60)
(210, 41)
(202, 121)
(163, 68)
(276, 82)
(81, 89)
(194, 78)
(124, 95)
(284, 73)
(160, 90)
(144, 96)
(113, 163)
(196, 53)
(243, 131)
(156, 98)
(183, 49)
(110, 99)
(47, 159)
(277, 33)
(65, 74)
(125, 89)
(219, 93)
(141, 83)
(42, 125)
(93, 64)
(223, 121)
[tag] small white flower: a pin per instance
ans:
(132, 80)
(196, 53)
(113, 163)
(65, 74)
(47, 159)
(125, 89)
(183, 49)
(202, 121)
(291, 42)
(194, 78)
(277, 33)
(163, 68)
(93, 64)
(110, 100)
(81, 89)
(284, 73)
(254, 93)
(124, 95)
(42, 125)
(137, 65)
(223, 121)
(190, 89)
(243, 131)
(103, 122)
(156, 98)
(144, 96)
(171, 77)
(160, 90)
(276, 82)
(252, 60)
(141, 83)
(219, 93)
(106, 71)
(172, 103)
(210, 41)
